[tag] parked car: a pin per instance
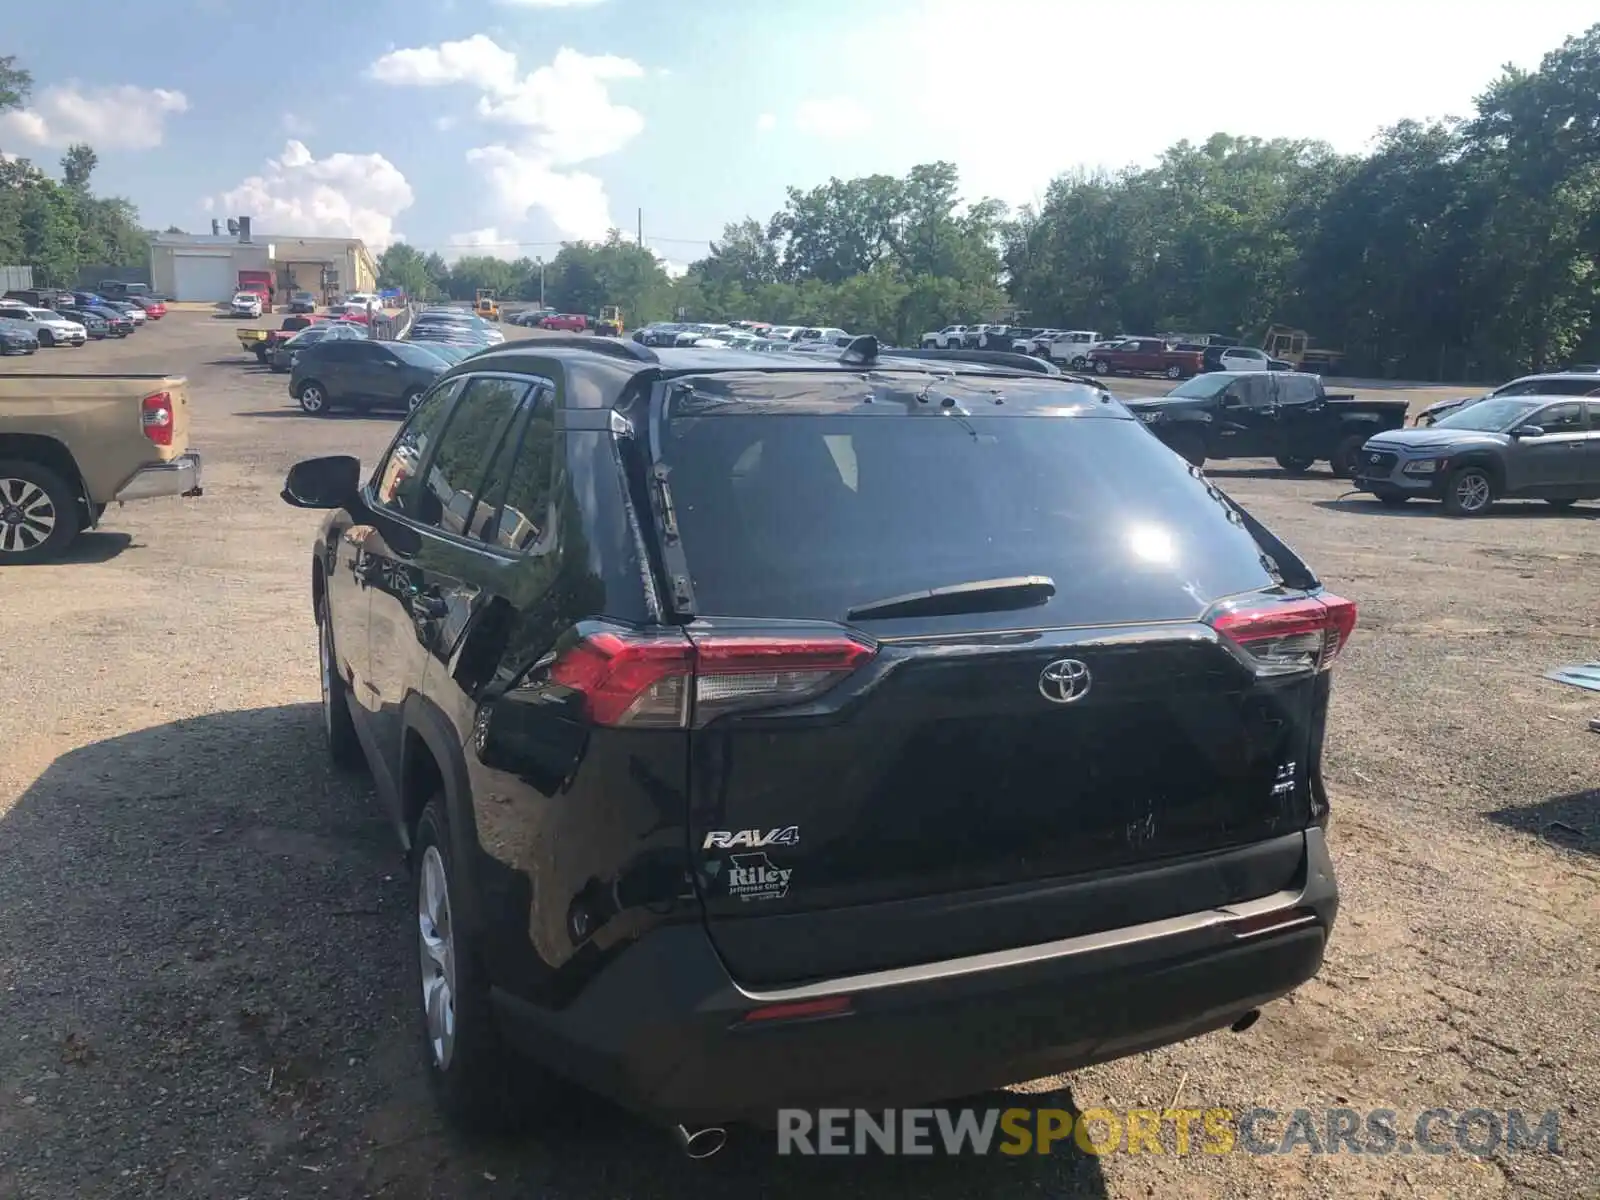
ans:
(1072, 347)
(151, 307)
(41, 297)
(72, 444)
(948, 338)
(94, 326)
(663, 333)
(126, 308)
(1144, 356)
(302, 302)
(49, 327)
(114, 323)
(571, 322)
(117, 289)
(17, 337)
(246, 304)
(1216, 357)
(449, 352)
(826, 334)
(1537, 447)
(696, 733)
(1282, 415)
(1558, 383)
(361, 373)
(284, 354)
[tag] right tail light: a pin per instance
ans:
(1293, 634)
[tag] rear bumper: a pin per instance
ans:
(180, 477)
(660, 1029)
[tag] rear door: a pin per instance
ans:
(1098, 730)
(1551, 465)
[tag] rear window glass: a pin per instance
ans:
(806, 516)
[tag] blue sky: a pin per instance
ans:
(510, 125)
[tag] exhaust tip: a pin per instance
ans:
(701, 1143)
(1244, 1022)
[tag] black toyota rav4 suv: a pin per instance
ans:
(799, 731)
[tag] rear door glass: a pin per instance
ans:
(806, 516)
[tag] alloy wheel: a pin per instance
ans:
(1472, 492)
(436, 949)
(27, 515)
(311, 399)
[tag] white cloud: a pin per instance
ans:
(343, 195)
(478, 59)
(111, 118)
(674, 268)
(560, 115)
(765, 122)
(566, 106)
(575, 201)
(837, 116)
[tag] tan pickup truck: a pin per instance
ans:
(72, 444)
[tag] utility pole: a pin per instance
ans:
(641, 228)
(540, 261)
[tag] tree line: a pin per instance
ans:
(1454, 249)
(57, 226)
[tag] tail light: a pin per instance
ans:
(1290, 635)
(671, 682)
(155, 414)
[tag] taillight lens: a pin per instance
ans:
(1290, 635)
(656, 681)
(155, 414)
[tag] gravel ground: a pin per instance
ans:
(205, 959)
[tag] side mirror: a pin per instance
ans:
(1528, 431)
(331, 482)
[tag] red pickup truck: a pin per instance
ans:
(571, 322)
(1145, 356)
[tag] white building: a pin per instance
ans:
(205, 267)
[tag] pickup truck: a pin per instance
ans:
(948, 338)
(72, 444)
(262, 342)
(1144, 356)
(1284, 415)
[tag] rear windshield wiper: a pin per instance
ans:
(979, 595)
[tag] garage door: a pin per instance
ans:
(202, 277)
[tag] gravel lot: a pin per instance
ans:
(205, 963)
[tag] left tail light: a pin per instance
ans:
(155, 414)
(668, 681)
(1290, 635)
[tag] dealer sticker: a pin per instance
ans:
(753, 877)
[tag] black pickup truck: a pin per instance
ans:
(1284, 415)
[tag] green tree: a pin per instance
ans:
(77, 165)
(405, 267)
(15, 83)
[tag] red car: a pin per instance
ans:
(154, 309)
(570, 322)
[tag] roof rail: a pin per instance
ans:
(864, 350)
(610, 347)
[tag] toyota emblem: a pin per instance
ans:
(1064, 681)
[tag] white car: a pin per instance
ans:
(1242, 358)
(246, 304)
(948, 338)
(50, 326)
(1072, 347)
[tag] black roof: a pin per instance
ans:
(606, 372)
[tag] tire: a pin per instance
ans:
(1174, 372)
(1191, 447)
(46, 338)
(1561, 505)
(1392, 497)
(39, 516)
(475, 1079)
(1102, 367)
(412, 399)
(1294, 464)
(1469, 492)
(313, 398)
(1344, 457)
(1079, 362)
(344, 748)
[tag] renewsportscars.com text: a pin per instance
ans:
(1478, 1132)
